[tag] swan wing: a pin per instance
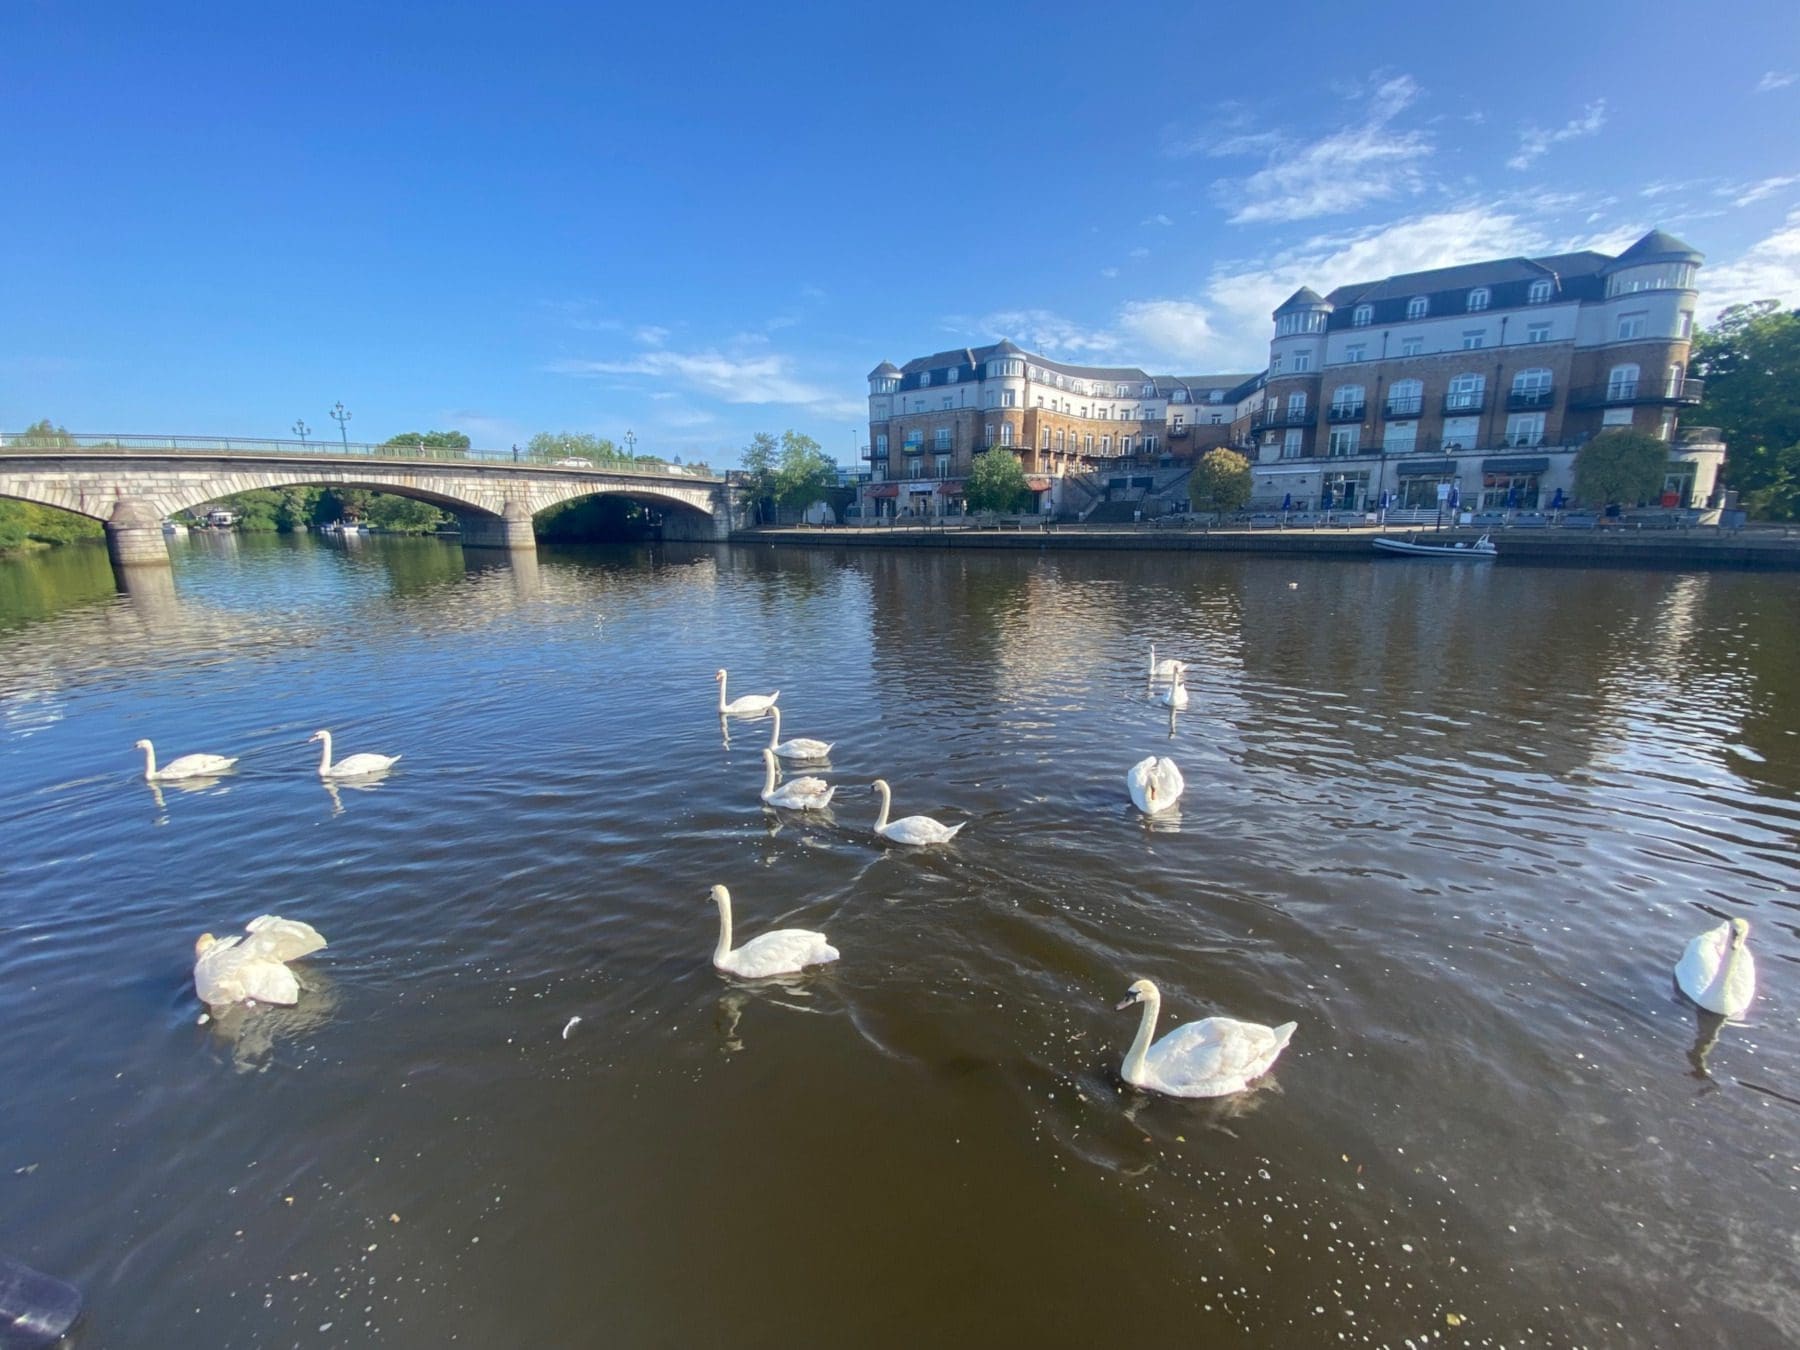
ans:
(352, 765)
(269, 982)
(1169, 782)
(282, 939)
(786, 951)
(803, 747)
(921, 830)
(1154, 784)
(1703, 976)
(216, 973)
(196, 766)
(1216, 1055)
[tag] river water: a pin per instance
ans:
(1456, 821)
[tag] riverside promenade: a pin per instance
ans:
(1768, 547)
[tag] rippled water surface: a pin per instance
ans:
(1458, 822)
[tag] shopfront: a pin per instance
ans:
(1419, 481)
(1514, 483)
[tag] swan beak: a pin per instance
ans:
(1125, 1002)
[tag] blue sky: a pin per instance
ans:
(701, 221)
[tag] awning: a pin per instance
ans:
(1426, 468)
(1038, 484)
(1516, 464)
(885, 490)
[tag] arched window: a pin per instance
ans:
(1406, 398)
(1531, 389)
(1479, 297)
(1465, 394)
(1362, 316)
(1417, 307)
(1347, 402)
(1623, 382)
(1540, 291)
(924, 378)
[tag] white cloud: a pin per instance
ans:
(1535, 142)
(1109, 271)
(1178, 329)
(758, 378)
(1045, 331)
(1158, 219)
(1139, 252)
(1743, 194)
(1768, 270)
(1775, 79)
(652, 336)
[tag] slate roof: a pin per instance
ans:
(1657, 244)
(1304, 298)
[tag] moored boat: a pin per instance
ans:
(1482, 548)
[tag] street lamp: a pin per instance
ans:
(630, 444)
(301, 429)
(342, 415)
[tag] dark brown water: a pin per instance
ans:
(1458, 822)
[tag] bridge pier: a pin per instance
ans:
(134, 536)
(510, 529)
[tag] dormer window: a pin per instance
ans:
(1540, 291)
(952, 375)
(1417, 307)
(1362, 316)
(1479, 298)
(924, 378)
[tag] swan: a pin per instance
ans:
(797, 794)
(352, 766)
(1717, 970)
(1155, 784)
(1210, 1058)
(254, 968)
(1176, 695)
(786, 951)
(745, 705)
(801, 747)
(188, 766)
(910, 829)
(1162, 670)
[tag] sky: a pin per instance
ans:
(696, 222)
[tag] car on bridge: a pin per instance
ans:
(571, 463)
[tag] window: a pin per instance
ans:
(1531, 389)
(1275, 364)
(1673, 385)
(915, 442)
(1465, 392)
(1292, 444)
(1666, 428)
(1417, 307)
(1406, 398)
(1412, 346)
(1297, 405)
(1059, 438)
(1149, 391)
(1537, 332)
(1302, 361)
(1106, 445)
(1217, 419)
(941, 438)
(1633, 325)
(1344, 440)
(1149, 445)
(1479, 298)
(1009, 398)
(1622, 382)
(1509, 492)
(1401, 439)
(1460, 432)
(1540, 291)
(1103, 414)
(1685, 326)
(1045, 444)
(1215, 395)
(1006, 433)
(1347, 401)
(1357, 352)
(1473, 338)
(952, 375)
(1362, 316)
(1121, 391)
(1524, 430)
(881, 444)
(1616, 417)
(948, 403)
(1084, 408)
(1179, 396)
(1175, 421)
(1087, 444)
(918, 405)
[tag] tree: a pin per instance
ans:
(42, 435)
(428, 440)
(1626, 467)
(403, 515)
(996, 483)
(1751, 362)
(805, 473)
(550, 445)
(1221, 481)
(759, 459)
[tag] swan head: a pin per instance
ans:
(1740, 932)
(720, 896)
(1141, 991)
(719, 674)
(203, 944)
(879, 785)
(318, 735)
(140, 745)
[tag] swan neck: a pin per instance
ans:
(722, 691)
(1133, 1072)
(882, 819)
(149, 760)
(775, 730)
(768, 773)
(324, 751)
(723, 950)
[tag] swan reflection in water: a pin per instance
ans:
(251, 1033)
(179, 785)
(779, 990)
(367, 783)
(1707, 1026)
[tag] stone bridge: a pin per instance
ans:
(131, 490)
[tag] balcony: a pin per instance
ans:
(1527, 400)
(1283, 417)
(1179, 433)
(1625, 393)
(1347, 412)
(1403, 407)
(878, 453)
(1461, 405)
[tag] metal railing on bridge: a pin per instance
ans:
(40, 443)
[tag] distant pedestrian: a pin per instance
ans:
(1287, 502)
(515, 454)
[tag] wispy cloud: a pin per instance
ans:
(1768, 270)
(1045, 331)
(1158, 219)
(651, 335)
(1775, 79)
(1139, 252)
(1535, 142)
(1370, 160)
(761, 377)
(1109, 271)
(1179, 330)
(1743, 194)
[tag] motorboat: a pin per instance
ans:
(1482, 549)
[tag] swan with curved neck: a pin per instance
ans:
(916, 830)
(797, 794)
(801, 747)
(351, 766)
(1155, 784)
(1717, 970)
(253, 968)
(745, 705)
(1214, 1057)
(786, 951)
(187, 766)
(1176, 695)
(1164, 669)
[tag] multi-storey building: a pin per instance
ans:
(1488, 376)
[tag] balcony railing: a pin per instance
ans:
(1404, 407)
(1347, 412)
(1461, 405)
(1623, 393)
(1284, 417)
(1179, 433)
(1523, 400)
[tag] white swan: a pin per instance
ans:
(910, 829)
(1155, 784)
(1176, 695)
(797, 794)
(254, 968)
(1210, 1058)
(1162, 670)
(746, 705)
(1717, 970)
(786, 951)
(352, 766)
(188, 766)
(801, 747)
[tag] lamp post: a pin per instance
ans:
(342, 415)
(630, 443)
(301, 429)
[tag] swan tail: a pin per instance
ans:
(954, 831)
(1285, 1033)
(830, 792)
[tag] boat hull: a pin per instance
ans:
(1482, 550)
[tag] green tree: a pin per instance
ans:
(996, 483)
(553, 445)
(1626, 467)
(759, 459)
(805, 472)
(1221, 481)
(1751, 361)
(42, 435)
(403, 515)
(429, 440)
